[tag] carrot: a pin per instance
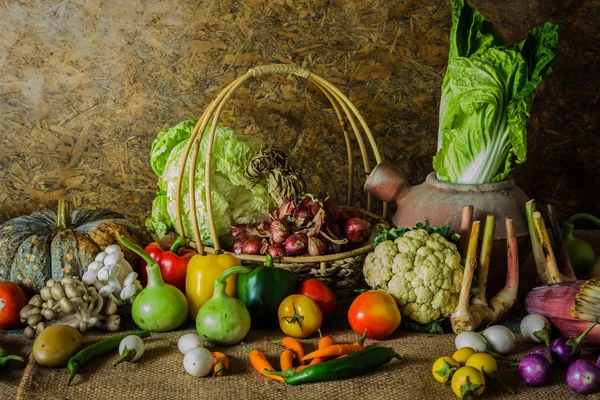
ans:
(337, 350)
(293, 345)
(325, 341)
(260, 363)
(221, 364)
(286, 359)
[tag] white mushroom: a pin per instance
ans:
(90, 277)
(130, 279)
(101, 256)
(103, 274)
(111, 324)
(95, 265)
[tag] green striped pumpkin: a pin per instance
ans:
(48, 244)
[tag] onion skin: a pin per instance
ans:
(302, 215)
(276, 250)
(243, 231)
(279, 230)
(357, 230)
(316, 247)
(238, 246)
(296, 244)
(252, 247)
(335, 229)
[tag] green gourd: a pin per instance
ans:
(581, 254)
(223, 320)
(160, 307)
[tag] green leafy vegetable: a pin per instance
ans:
(487, 93)
(234, 199)
(439, 326)
(394, 233)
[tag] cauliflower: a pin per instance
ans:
(421, 270)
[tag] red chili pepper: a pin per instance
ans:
(172, 262)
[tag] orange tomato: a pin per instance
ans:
(375, 311)
(12, 300)
(299, 316)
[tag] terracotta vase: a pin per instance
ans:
(442, 203)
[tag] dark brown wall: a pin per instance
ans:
(86, 85)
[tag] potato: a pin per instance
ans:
(56, 345)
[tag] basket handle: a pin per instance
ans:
(341, 104)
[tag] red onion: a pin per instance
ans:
(276, 250)
(316, 247)
(313, 205)
(332, 212)
(357, 230)
(279, 231)
(243, 231)
(296, 244)
(286, 209)
(252, 246)
(238, 245)
(302, 215)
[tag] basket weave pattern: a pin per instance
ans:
(342, 271)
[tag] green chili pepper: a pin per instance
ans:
(355, 364)
(5, 357)
(97, 349)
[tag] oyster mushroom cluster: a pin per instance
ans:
(69, 302)
(113, 276)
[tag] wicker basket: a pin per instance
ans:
(342, 271)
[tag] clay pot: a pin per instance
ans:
(442, 203)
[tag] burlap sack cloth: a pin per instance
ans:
(160, 374)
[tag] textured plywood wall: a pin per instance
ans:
(86, 85)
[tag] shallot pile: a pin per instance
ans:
(306, 227)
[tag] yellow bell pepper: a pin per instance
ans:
(202, 272)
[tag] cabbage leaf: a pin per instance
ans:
(234, 199)
(487, 94)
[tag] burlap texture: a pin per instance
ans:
(10, 376)
(160, 375)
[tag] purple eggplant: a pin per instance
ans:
(565, 350)
(544, 352)
(583, 376)
(535, 370)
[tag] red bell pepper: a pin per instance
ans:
(172, 262)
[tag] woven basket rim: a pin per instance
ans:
(344, 109)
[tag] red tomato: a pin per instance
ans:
(321, 294)
(12, 300)
(375, 311)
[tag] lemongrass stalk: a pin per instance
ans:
(536, 247)
(465, 227)
(484, 260)
(461, 316)
(567, 268)
(544, 239)
(507, 297)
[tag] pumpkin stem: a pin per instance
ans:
(63, 215)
